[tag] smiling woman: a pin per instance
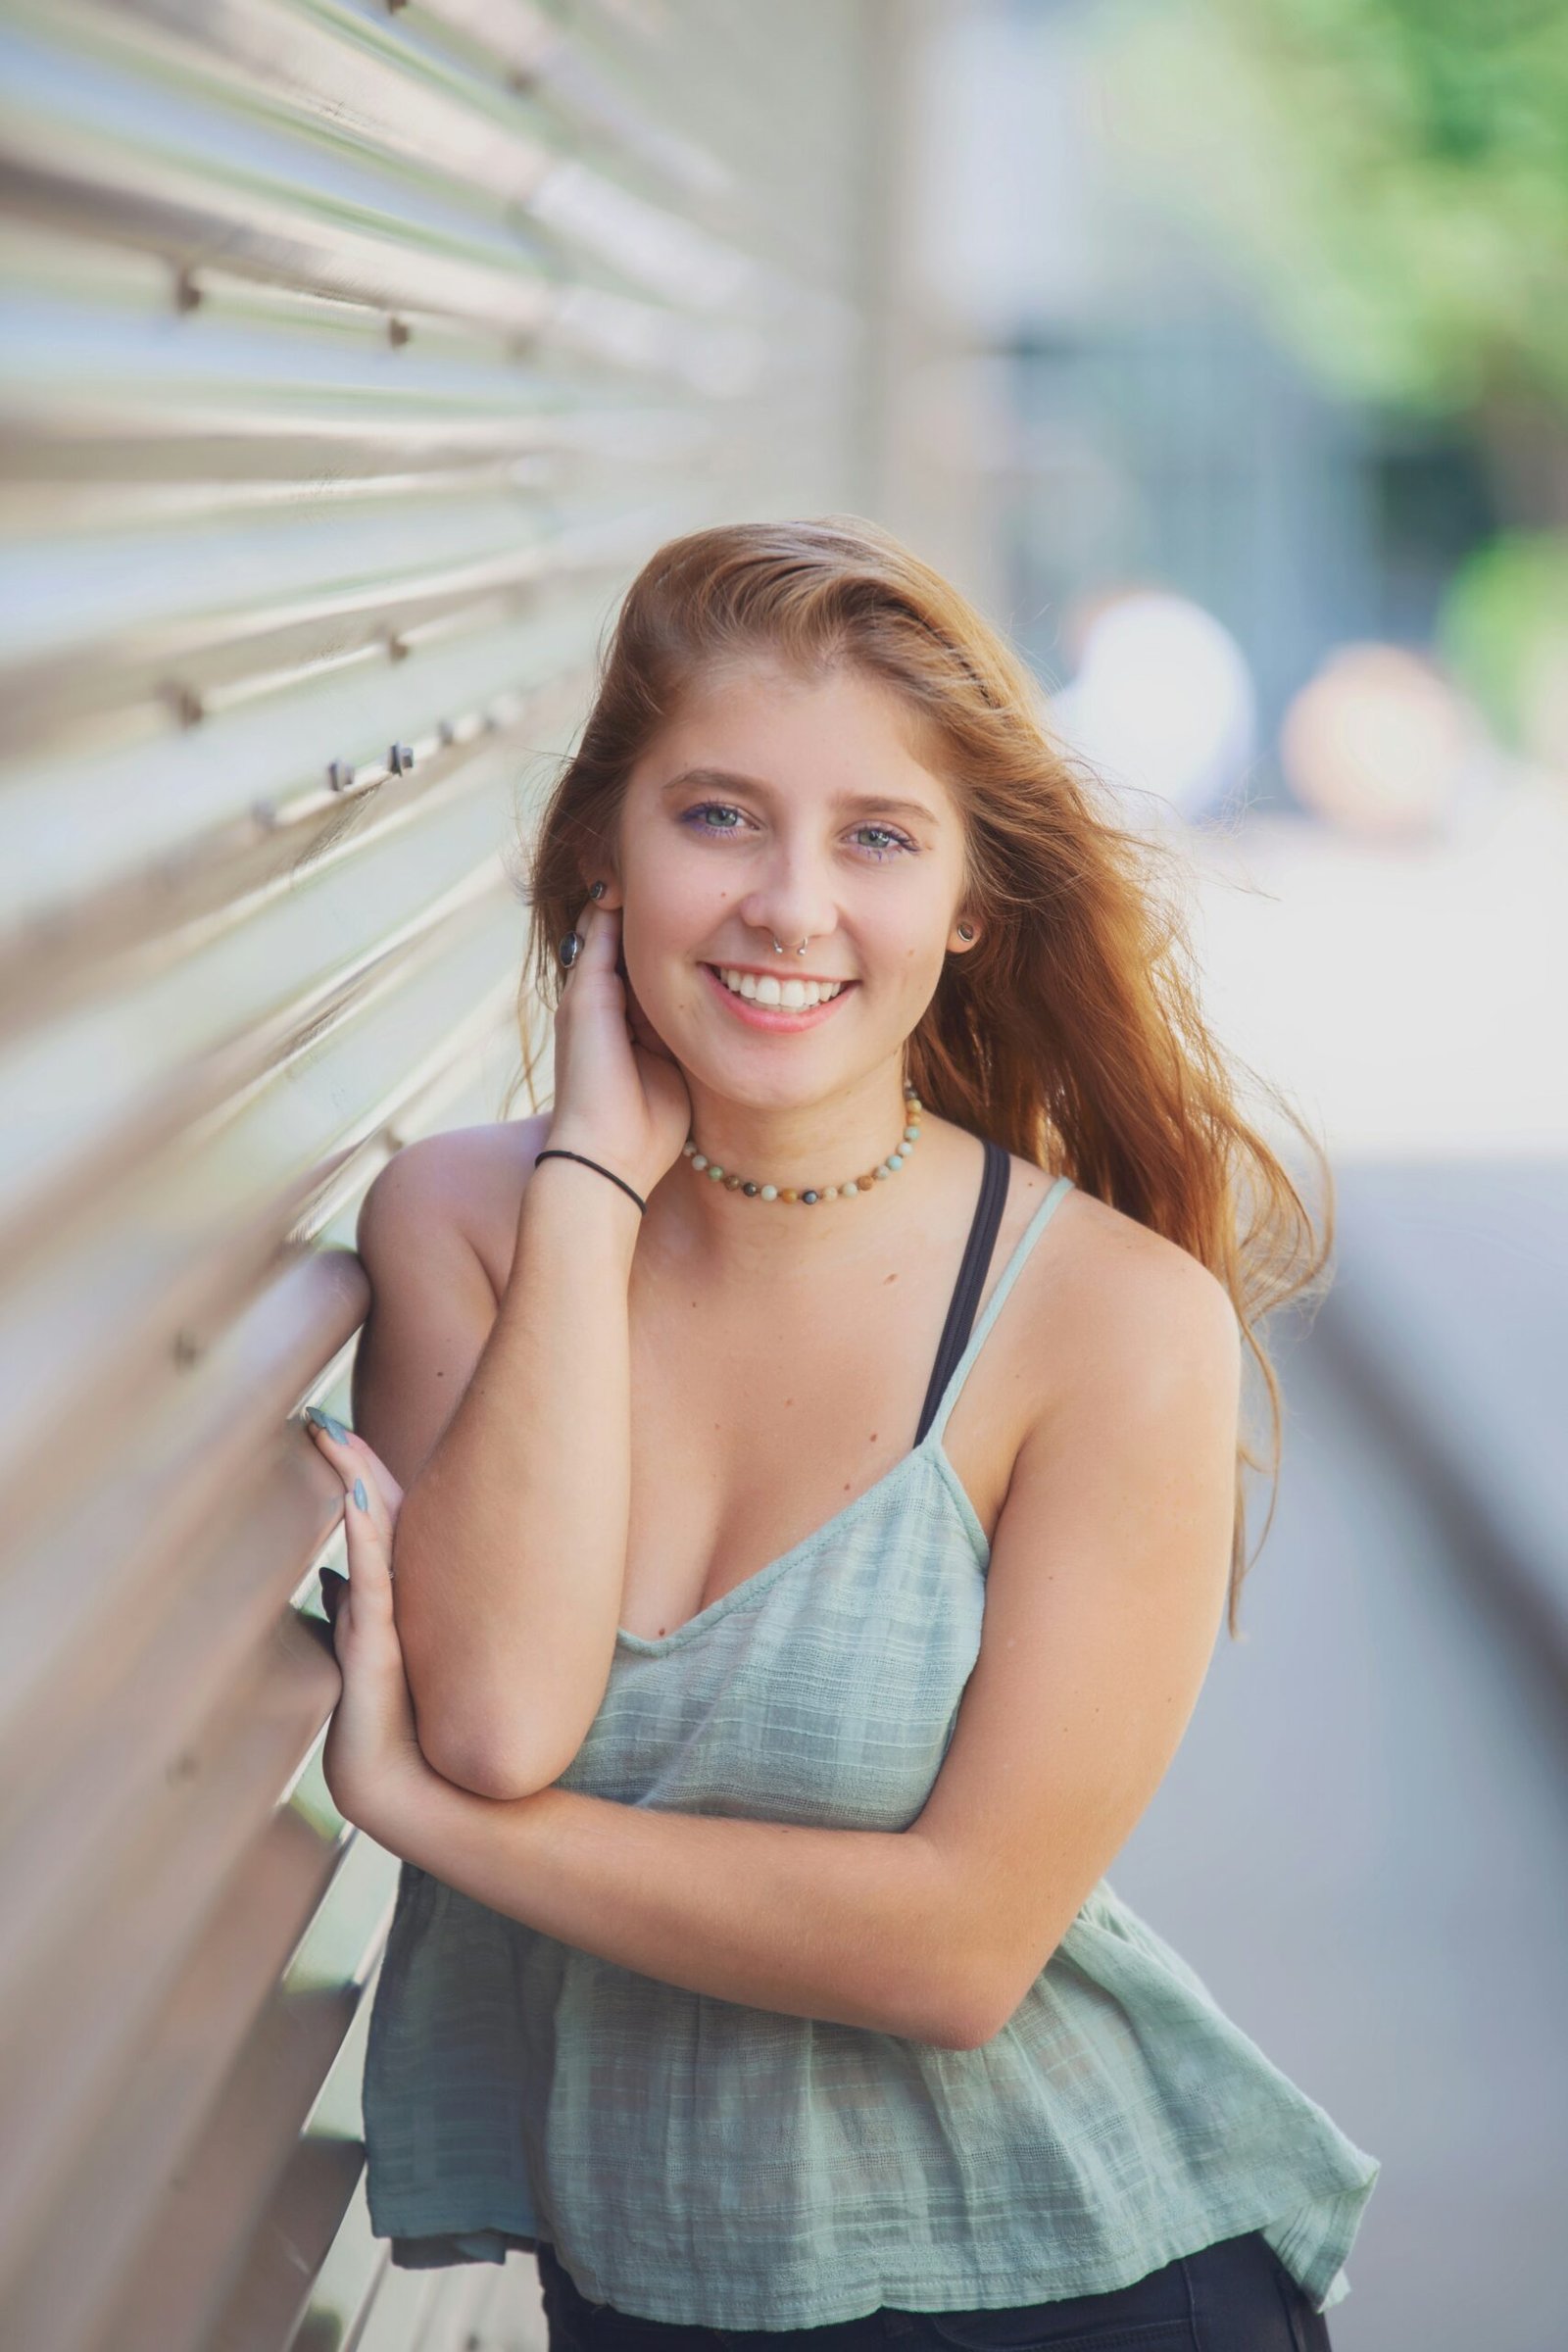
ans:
(810, 1548)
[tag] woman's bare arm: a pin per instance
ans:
(509, 1554)
(856, 1927)
(511, 1547)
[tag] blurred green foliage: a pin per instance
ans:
(1394, 173)
(1503, 630)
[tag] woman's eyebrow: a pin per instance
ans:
(723, 779)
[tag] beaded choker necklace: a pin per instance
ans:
(811, 1193)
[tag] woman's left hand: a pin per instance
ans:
(372, 1761)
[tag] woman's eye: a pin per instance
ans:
(896, 840)
(707, 808)
(704, 819)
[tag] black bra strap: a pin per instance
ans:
(971, 1280)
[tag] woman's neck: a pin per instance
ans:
(818, 1146)
(808, 1144)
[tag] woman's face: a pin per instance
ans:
(773, 807)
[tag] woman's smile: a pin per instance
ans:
(783, 1015)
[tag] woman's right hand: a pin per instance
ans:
(619, 1094)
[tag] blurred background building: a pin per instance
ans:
(354, 358)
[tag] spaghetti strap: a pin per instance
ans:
(994, 1305)
(996, 1171)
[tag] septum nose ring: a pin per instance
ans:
(800, 951)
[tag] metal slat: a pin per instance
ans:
(70, 438)
(105, 1734)
(148, 2135)
(83, 2028)
(329, 67)
(165, 889)
(535, 55)
(215, 1025)
(327, 71)
(82, 182)
(84, 663)
(129, 1304)
(280, 2149)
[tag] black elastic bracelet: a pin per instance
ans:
(555, 1153)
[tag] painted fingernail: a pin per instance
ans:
(335, 1429)
(360, 1494)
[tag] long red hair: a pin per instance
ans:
(1073, 1032)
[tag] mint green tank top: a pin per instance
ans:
(698, 2161)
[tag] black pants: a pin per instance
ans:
(1236, 2296)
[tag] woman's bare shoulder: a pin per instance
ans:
(1110, 1292)
(466, 1181)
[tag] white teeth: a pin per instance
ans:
(764, 989)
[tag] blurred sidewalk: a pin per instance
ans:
(1410, 996)
(1362, 1848)
(1449, 1320)
(1410, 999)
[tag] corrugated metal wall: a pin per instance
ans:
(354, 358)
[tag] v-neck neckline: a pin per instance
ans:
(930, 1449)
